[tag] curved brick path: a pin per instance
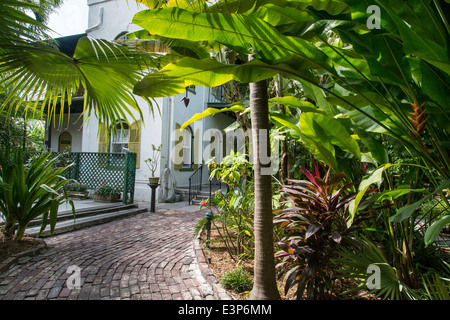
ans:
(148, 256)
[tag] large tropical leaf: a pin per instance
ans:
(210, 112)
(434, 230)
(333, 7)
(278, 15)
(335, 132)
(374, 178)
(317, 142)
(406, 211)
(184, 48)
(422, 35)
(292, 102)
(242, 33)
(193, 5)
(174, 78)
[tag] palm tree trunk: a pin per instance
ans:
(264, 286)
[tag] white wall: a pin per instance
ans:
(176, 112)
(117, 17)
(150, 134)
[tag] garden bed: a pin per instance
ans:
(221, 263)
(12, 251)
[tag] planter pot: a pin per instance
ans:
(107, 198)
(153, 180)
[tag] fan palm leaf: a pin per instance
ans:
(39, 75)
(15, 25)
(35, 75)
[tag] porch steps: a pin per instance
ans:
(203, 195)
(182, 192)
(84, 218)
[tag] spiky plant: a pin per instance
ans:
(315, 226)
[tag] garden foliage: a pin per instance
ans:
(366, 98)
(234, 208)
(30, 191)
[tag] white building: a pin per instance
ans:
(111, 19)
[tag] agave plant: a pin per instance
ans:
(315, 226)
(28, 192)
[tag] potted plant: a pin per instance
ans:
(107, 193)
(76, 189)
(152, 163)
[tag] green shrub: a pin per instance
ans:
(29, 192)
(238, 280)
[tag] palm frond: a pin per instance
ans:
(39, 75)
(15, 25)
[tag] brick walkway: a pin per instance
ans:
(148, 256)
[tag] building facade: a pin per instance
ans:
(182, 151)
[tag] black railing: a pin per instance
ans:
(195, 183)
(218, 185)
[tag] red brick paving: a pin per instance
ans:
(147, 256)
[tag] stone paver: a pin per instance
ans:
(148, 256)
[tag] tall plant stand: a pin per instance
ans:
(152, 201)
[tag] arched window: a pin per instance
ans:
(124, 139)
(65, 142)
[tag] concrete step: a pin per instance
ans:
(83, 222)
(68, 215)
(196, 202)
(202, 195)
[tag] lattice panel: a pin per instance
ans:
(130, 176)
(95, 169)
